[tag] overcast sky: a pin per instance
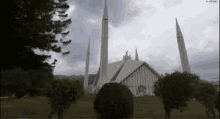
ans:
(148, 25)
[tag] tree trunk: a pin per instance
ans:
(51, 114)
(167, 113)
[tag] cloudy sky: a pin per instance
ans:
(148, 25)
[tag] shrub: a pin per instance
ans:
(61, 94)
(20, 93)
(175, 89)
(114, 100)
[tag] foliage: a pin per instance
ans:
(38, 78)
(33, 91)
(204, 91)
(217, 101)
(61, 94)
(114, 100)
(20, 93)
(15, 77)
(20, 78)
(205, 94)
(175, 89)
(42, 91)
(77, 89)
(31, 26)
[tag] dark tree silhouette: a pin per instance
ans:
(29, 26)
(175, 89)
(206, 95)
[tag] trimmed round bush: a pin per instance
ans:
(20, 93)
(114, 100)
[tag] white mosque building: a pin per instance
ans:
(137, 75)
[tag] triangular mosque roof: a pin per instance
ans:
(128, 67)
(113, 68)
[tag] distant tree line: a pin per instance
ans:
(77, 77)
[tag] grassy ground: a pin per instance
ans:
(145, 107)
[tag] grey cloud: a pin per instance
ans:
(208, 64)
(203, 56)
(92, 6)
(159, 60)
(77, 52)
(170, 3)
(207, 74)
(214, 21)
(119, 10)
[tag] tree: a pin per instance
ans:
(15, 79)
(207, 94)
(12, 80)
(217, 101)
(174, 89)
(61, 94)
(30, 25)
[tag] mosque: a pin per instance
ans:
(137, 75)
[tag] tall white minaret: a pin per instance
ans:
(104, 51)
(136, 55)
(182, 49)
(86, 78)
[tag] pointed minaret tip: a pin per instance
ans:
(136, 55)
(105, 14)
(89, 44)
(176, 22)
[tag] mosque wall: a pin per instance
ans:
(142, 76)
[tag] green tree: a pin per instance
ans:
(61, 94)
(206, 94)
(174, 89)
(30, 25)
(12, 80)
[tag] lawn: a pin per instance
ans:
(145, 107)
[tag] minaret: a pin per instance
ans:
(136, 55)
(86, 78)
(104, 51)
(182, 49)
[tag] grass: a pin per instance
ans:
(145, 107)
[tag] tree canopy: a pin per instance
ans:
(30, 25)
(175, 89)
(207, 95)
